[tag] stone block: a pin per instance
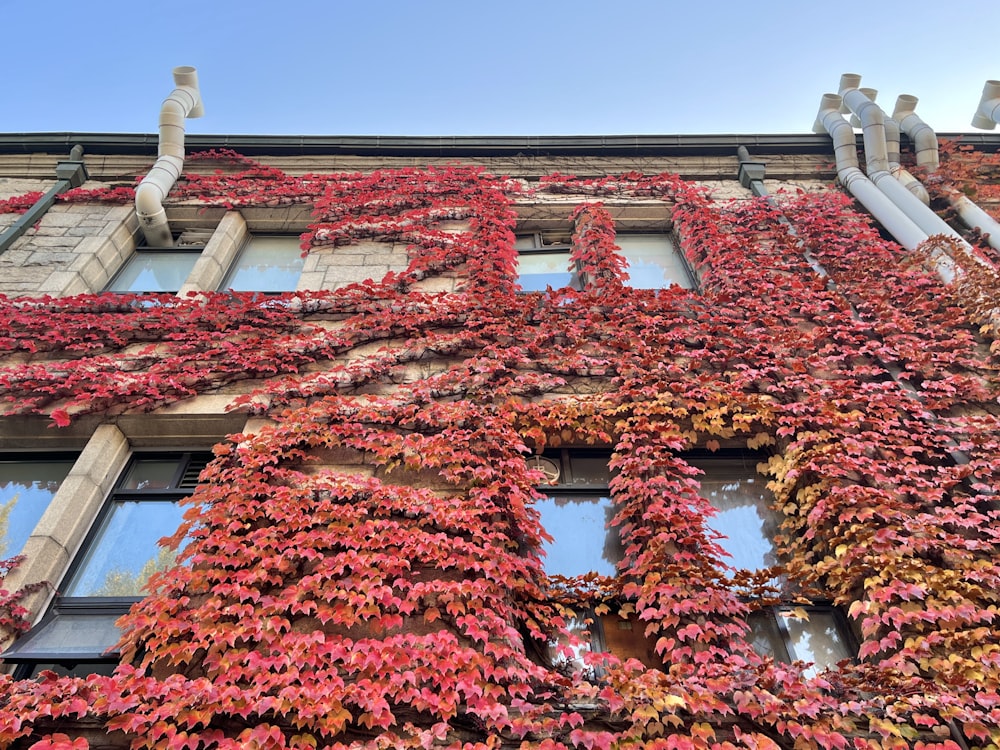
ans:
(63, 283)
(44, 231)
(436, 284)
(40, 241)
(312, 282)
(205, 275)
(57, 217)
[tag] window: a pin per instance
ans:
(27, 484)
(155, 270)
(653, 261)
(114, 564)
(822, 639)
(543, 261)
(577, 513)
(266, 263)
(734, 488)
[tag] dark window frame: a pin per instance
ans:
(771, 617)
(183, 483)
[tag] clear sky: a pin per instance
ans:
(475, 67)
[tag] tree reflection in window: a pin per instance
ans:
(820, 638)
(27, 484)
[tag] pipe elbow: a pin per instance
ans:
(148, 198)
(828, 105)
(986, 113)
(912, 184)
(868, 112)
(186, 79)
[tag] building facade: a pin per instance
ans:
(510, 442)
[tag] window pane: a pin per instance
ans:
(572, 661)
(539, 270)
(653, 262)
(266, 264)
(590, 469)
(125, 553)
(765, 638)
(818, 640)
(582, 540)
(739, 493)
(154, 271)
(150, 474)
(26, 488)
(85, 634)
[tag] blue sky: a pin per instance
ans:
(521, 67)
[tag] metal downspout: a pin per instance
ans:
(751, 175)
(183, 102)
(845, 150)
(876, 155)
(70, 173)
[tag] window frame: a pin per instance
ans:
(772, 617)
(567, 487)
(225, 285)
(588, 619)
(692, 457)
(674, 249)
(67, 607)
(195, 250)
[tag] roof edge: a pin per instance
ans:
(457, 146)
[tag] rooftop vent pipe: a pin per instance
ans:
(921, 134)
(184, 101)
(892, 129)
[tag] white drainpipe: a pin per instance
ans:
(892, 127)
(922, 136)
(989, 107)
(900, 226)
(925, 142)
(876, 153)
(184, 101)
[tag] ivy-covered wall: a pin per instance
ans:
(363, 570)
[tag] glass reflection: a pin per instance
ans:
(583, 541)
(536, 271)
(744, 518)
(125, 553)
(653, 262)
(267, 264)
(26, 489)
(573, 661)
(818, 639)
(155, 271)
(150, 474)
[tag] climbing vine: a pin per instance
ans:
(364, 570)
